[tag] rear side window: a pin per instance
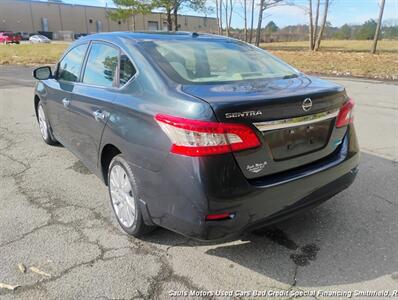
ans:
(127, 70)
(101, 65)
(70, 66)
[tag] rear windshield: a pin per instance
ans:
(201, 61)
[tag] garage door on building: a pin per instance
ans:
(153, 26)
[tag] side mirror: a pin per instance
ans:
(42, 73)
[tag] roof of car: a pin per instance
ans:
(155, 35)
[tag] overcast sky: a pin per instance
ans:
(341, 11)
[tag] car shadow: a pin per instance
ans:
(351, 238)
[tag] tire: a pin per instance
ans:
(44, 125)
(123, 193)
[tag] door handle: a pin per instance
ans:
(66, 102)
(100, 115)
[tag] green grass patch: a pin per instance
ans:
(31, 54)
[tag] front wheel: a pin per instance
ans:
(44, 125)
(123, 192)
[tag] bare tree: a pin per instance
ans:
(226, 18)
(264, 5)
(229, 6)
(221, 29)
(322, 28)
(318, 5)
(316, 31)
(252, 23)
(245, 17)
(377, 33)
(218, 19)
(311, 26)
(230, 13)
(260, 21)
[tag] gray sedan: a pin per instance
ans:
(201, 134)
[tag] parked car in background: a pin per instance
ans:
(24, 35)
(8, 37)
(38, 38)
(77, 36)
(201, 134)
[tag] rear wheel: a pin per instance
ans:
(123, 192)
(44, 125)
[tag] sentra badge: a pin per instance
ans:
(243, 114)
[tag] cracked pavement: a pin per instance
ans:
(56, 216)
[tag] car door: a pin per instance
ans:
(60, 91)
(92, 101)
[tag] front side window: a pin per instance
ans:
(70, 66)
(127, 70)
(214, 61)
(101, 65)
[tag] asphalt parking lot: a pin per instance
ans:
(55, 216)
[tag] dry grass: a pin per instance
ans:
(336, 45)
(341, 58)
(381, 66)
(338, 58)
(27, 54)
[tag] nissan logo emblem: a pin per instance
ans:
(307, 104)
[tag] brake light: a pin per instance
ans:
(346, 114)
(200, 138)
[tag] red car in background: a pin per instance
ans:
(8, 37)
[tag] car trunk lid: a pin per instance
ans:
(294, 119)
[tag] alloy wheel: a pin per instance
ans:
(43, 123)
(122, 196)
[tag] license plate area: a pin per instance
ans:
(290, 142)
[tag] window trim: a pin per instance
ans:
(81, 67)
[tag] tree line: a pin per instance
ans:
(225, 10)
(366, 31)
(272, 33)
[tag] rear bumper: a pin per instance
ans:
(186, 190)
(256, 214)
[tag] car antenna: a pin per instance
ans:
(195, 34)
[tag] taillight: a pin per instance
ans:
(200, 138)
(346, 114)
(220, 217)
